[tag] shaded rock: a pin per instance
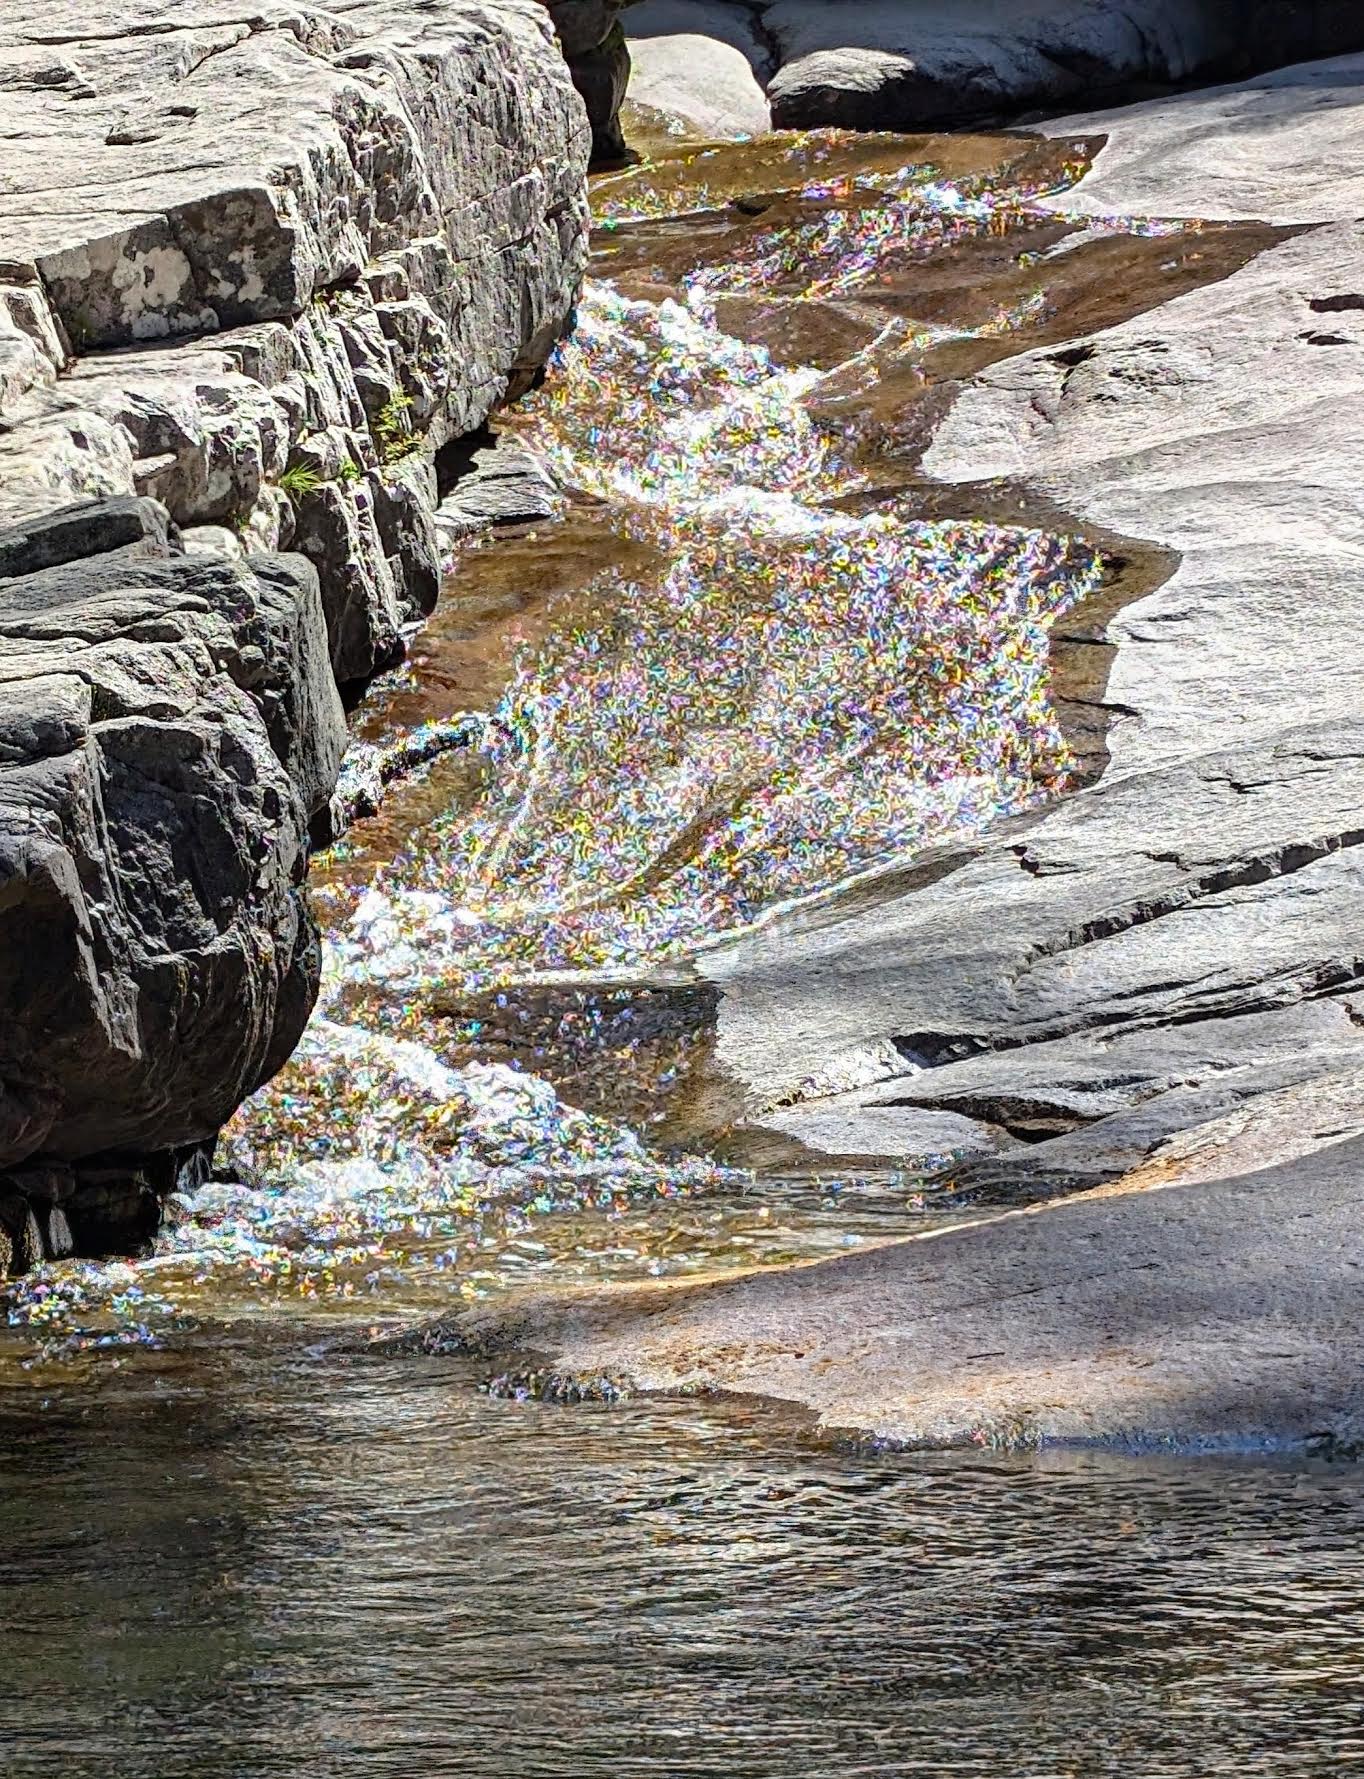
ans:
(917, 64)
(498, 483)
(700, 62)
(595, 49)
(168, 723)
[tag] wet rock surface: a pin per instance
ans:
(255, 271)
(1210, 879)
(1217, 1315)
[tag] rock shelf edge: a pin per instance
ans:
(258, 266)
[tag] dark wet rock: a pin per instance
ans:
(371, 769)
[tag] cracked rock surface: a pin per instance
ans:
(258, 264)
(1144, 1006)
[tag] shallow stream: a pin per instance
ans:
(752, 657)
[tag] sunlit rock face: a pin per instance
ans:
(254, 273)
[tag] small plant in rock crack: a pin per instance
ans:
(300, 479)
(350, 471)
(393, 429)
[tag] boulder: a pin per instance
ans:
(495, 481)
(699, 63)
(168, 724)
(919, 64)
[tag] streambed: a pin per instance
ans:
(754, 659)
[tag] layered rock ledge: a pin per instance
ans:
(259, 265)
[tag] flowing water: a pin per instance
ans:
(752, 659)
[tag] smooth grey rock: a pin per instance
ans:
(885, 1130)
(700, 62)
(1215, 870)
(1291, 149)
(1215, 1315)
(919, 64)
(1156, 982)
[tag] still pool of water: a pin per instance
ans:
(256, 1565)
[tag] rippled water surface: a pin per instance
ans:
(751, 659)
(265, 1565)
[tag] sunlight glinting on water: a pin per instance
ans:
(799, 694)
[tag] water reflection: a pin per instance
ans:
(247, 1569)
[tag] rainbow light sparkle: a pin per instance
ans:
(800, 693)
